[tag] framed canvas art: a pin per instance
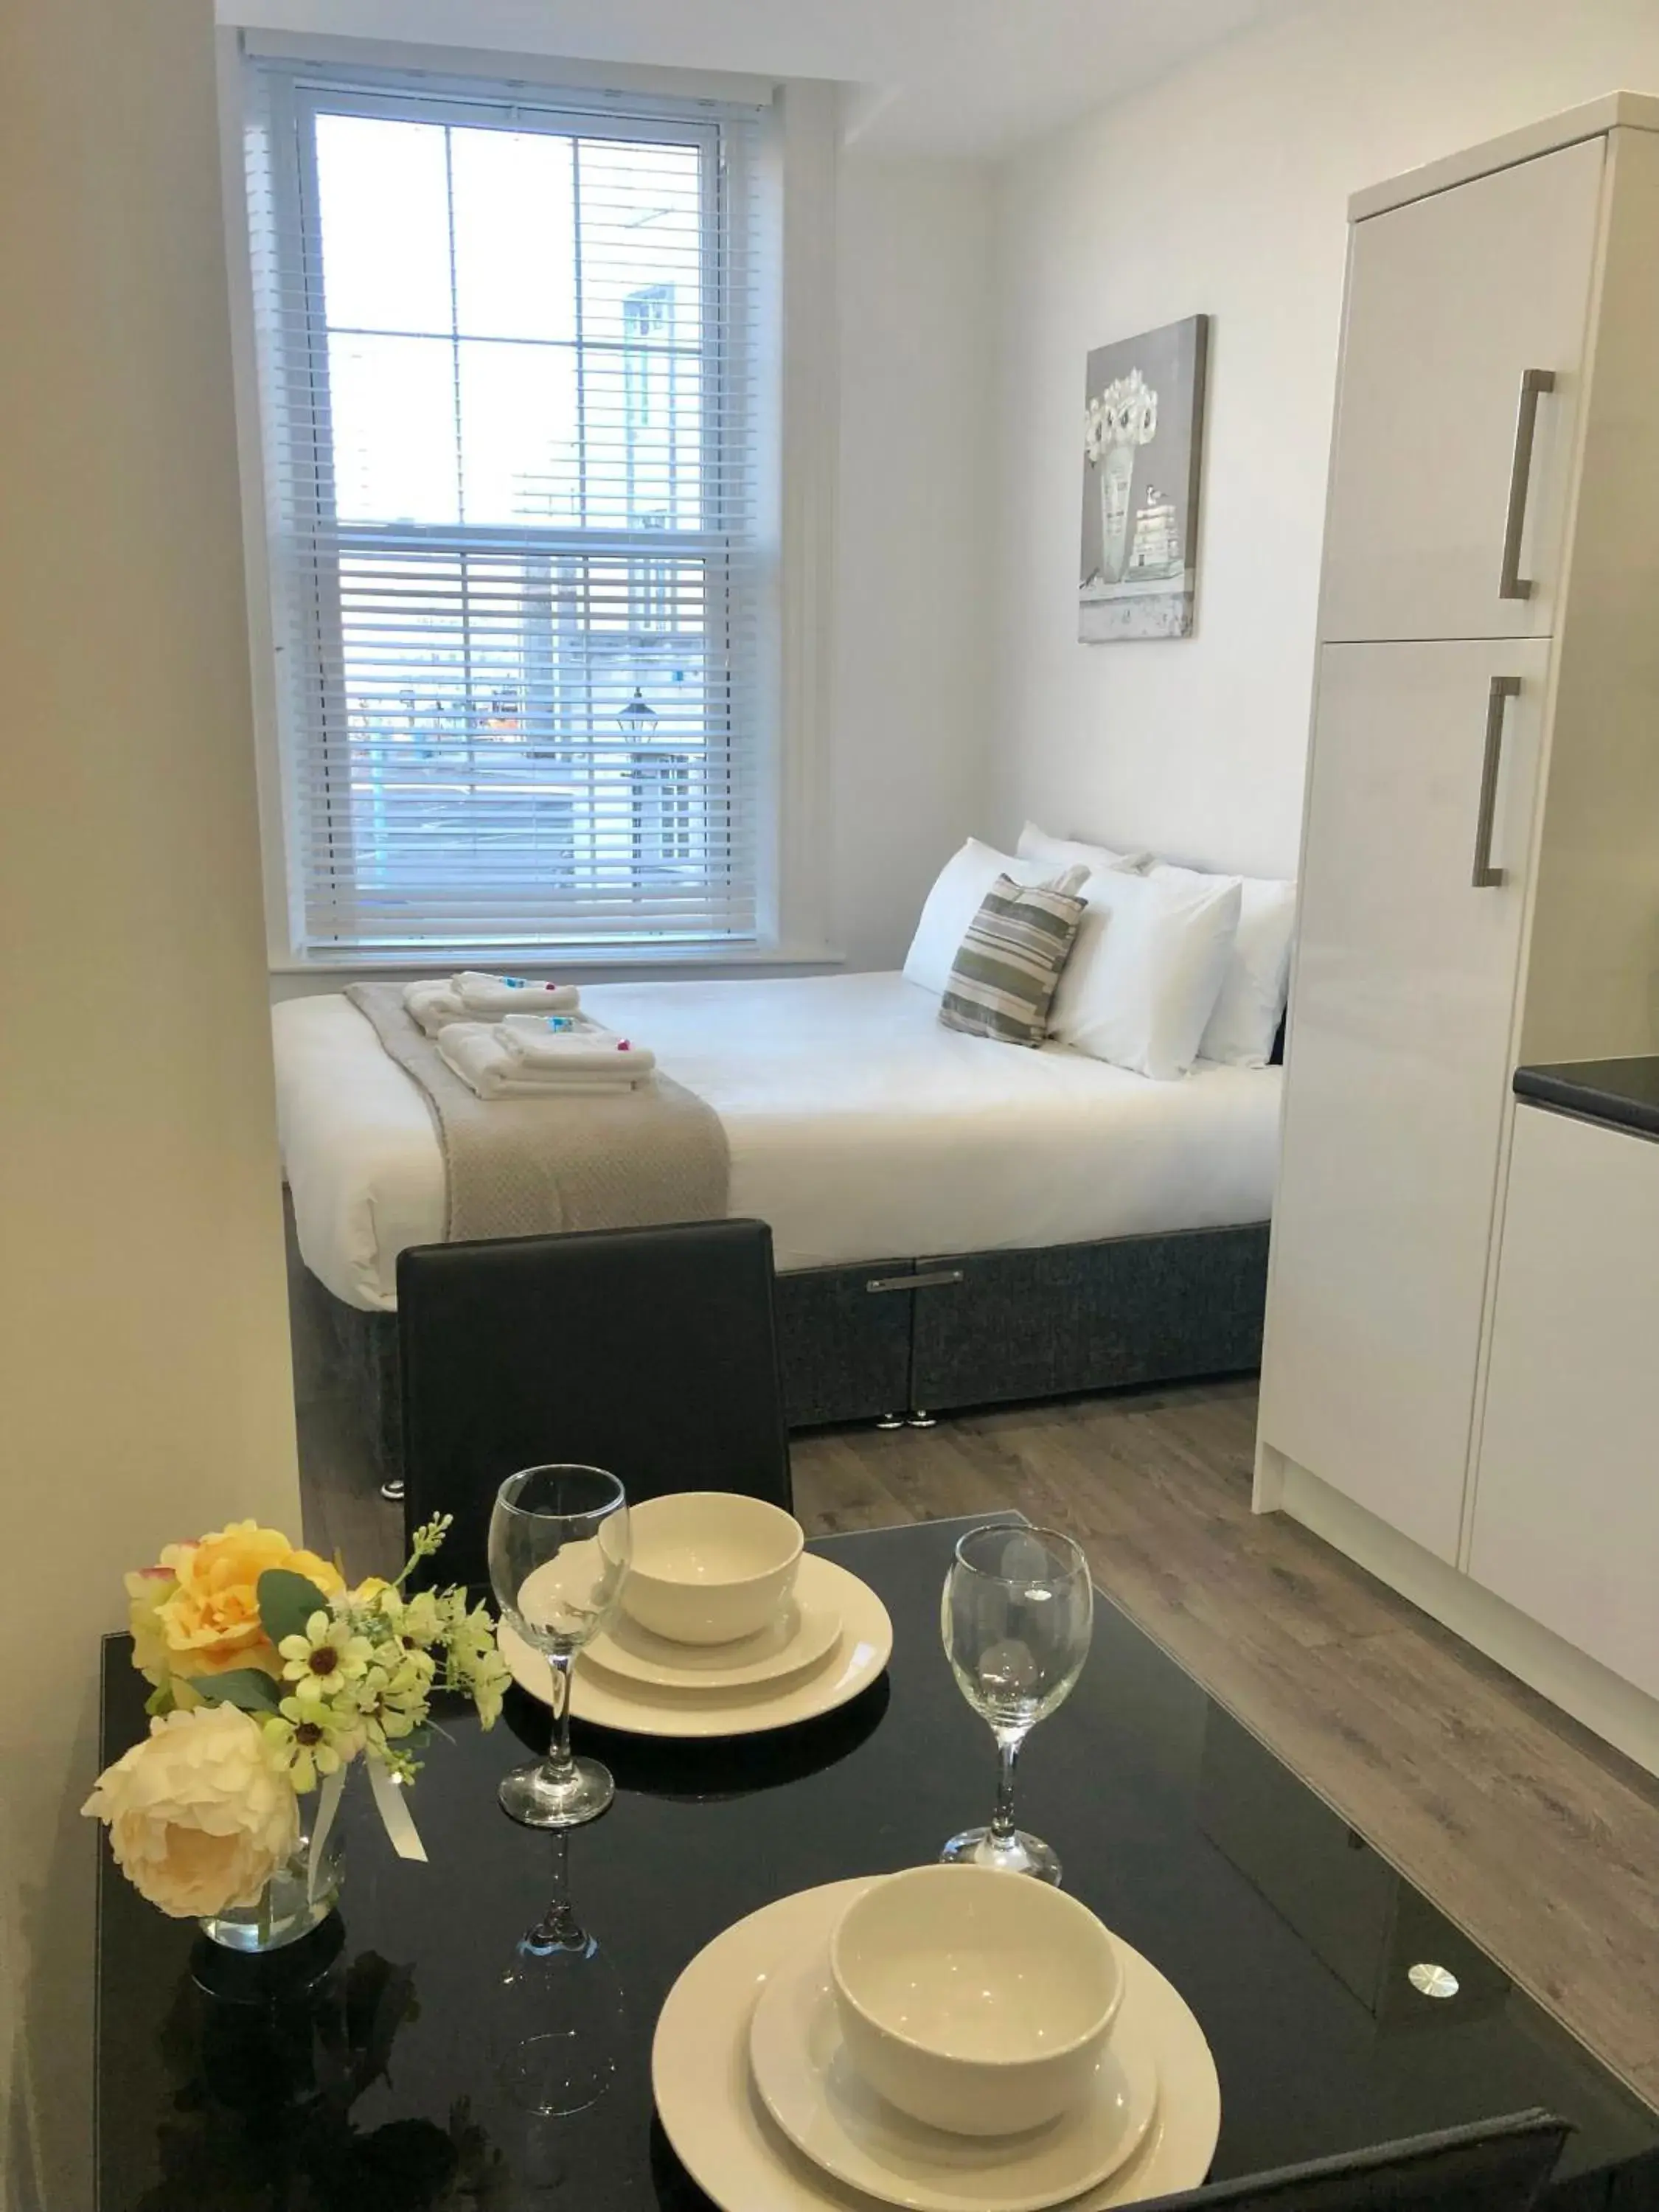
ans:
(1143, 426)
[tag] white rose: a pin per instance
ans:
(200, 1815)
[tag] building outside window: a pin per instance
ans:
(663, 811)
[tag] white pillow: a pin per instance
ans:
(1251, 1003)
(1145, 970)
(956, 897)
(1037, 844)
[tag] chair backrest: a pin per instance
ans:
(649, 1351)
(1495, 2165)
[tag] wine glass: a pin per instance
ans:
(558, 2019)
(1016, 1616)
(559, 1547)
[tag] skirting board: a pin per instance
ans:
(1605, 1704)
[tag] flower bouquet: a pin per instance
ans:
(1115, 424)
(269, 1679)
(1124, 413)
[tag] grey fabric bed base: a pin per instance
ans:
(960, 1329)
(982, 1329)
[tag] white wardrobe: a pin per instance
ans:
(1480, 864)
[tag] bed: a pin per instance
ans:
(1039, 1221)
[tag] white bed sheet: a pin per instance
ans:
(861, 1129)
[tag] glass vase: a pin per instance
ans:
(292, 1904)
(1116, 477)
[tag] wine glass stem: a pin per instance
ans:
(559, 1760)
(1002, 1820)
(558, 1928)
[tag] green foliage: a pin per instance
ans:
(286, 1602)
(428, 1539)
(247, 1687)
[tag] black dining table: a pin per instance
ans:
(357, 2068)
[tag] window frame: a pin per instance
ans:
(293, 102)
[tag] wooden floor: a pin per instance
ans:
(1541, 1842)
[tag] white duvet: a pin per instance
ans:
(859, 1128)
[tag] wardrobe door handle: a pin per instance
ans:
(1504, 689)
(1511, 584)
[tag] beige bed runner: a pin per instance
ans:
(521, 1167)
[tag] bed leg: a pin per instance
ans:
(921, 1419)
(889, 1421)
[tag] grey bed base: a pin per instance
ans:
(976, 1328)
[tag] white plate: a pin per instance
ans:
(866, 1644)
(804, 1632)
(727, 2142)
(811, 2089)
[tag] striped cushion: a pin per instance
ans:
(1010, 960)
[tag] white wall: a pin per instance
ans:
(143, 1335)
(913, 647)
(1222, 189)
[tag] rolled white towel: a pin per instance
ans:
(488, 997)
(484, 1063)
(579, 1044)
(438, 999)
(431, 1004)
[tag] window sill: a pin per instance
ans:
(616, 963)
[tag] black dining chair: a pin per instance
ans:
(1495, 2165)
(649, 1351)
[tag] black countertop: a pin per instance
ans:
(1622, 1093)
(355, 2068)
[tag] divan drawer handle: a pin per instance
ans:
(938, 1280)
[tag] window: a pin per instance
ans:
(507, 384)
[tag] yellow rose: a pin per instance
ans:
(209, 1623)
(200, 1814)
(149, 1590)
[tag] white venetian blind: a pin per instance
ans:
(508, 393)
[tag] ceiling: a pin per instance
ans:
(964, 77)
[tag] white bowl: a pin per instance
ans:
(976, 2001)
(708, 1566)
